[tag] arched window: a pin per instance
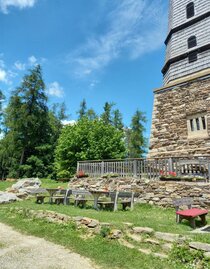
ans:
(190, 9)
(192, 42)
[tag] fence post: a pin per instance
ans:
(170, 165)
(135, 168)
(77, 167)
(102, 168)
(208, 171)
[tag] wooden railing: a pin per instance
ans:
(147, 168)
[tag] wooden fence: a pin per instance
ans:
(146, 168)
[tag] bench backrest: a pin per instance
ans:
(186, 201)
(80, 192)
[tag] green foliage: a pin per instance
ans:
(187, 257)
(27, 148)
(135, 139)
(106, 116)
(87, 140)
(105, 231)
(83, 109)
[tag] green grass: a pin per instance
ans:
(5, 184)
(108, 254)
(104, 252)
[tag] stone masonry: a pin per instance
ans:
(173, 105)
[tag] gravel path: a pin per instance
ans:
(24, 252)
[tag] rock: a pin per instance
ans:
(126, 243)
(167, 236)
(105, 224)
(167, 246)
(144, 230)
(93, 224)
(6, 197)
(160, 255)
(207, 255)
(145, 251)
(115, 234)
(152, 241)
(200, 246)
(85, 221)
(27, 185)
(78, 218)
(128, 224)
(135, 237)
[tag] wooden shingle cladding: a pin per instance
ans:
(180, 30)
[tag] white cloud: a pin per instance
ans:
(54, 89)
(68, 122)
(21, 4)
(134, 27)
(3, 75)
(19, 66)
(32, 60)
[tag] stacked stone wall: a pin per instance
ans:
(163, 193)
(172, 107)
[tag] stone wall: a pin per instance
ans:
(172, 108)
(163, 193)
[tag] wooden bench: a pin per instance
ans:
(126, 199)
(112, 204)
(62, 197)
(81, 197)
(40, 195)
(189, 213)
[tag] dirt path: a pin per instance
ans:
(24, 252)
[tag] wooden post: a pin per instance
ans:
(170, 165)
(135, 168)
(102, 168)
(208, 171)
(77, 167)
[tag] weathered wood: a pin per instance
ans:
(144, 167)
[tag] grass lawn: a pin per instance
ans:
(108, 254)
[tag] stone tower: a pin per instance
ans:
(181, 112)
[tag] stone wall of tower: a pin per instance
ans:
(172, 107)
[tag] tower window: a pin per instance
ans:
(197, 125)
(190, 9)
(193, 56)
(192, 42)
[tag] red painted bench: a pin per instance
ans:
(190, 213)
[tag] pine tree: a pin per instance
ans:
(117, 120)
(136, 139)
(106, 116)
(29, 130)
(83, 109)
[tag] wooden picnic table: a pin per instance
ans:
(52, 191)
(96, 194)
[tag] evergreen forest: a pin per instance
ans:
(35, 142)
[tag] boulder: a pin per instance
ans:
(6, 197)
(200, 246)
(167, 236)
(27, 185)
(115, 234)
(144, 230)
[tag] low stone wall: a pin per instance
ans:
(163, 193)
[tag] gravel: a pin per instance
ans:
(18, 251)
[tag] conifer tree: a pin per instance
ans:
(83, 109)
(136, 139)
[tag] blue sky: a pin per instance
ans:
(100, 50)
